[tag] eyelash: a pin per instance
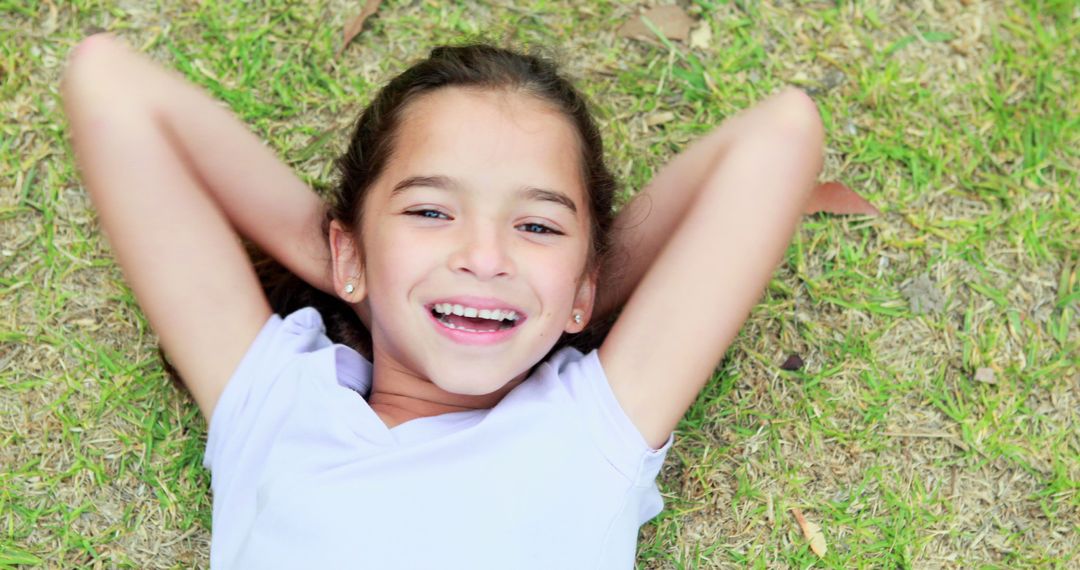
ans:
(423, 214)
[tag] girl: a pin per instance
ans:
(471, 234)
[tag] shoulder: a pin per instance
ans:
(285, 347)
(289, 355)
(282, 338)
(303, 331)
(571, 369)
(583, 378)
(303, 323)
(286, 339)
(565, 360)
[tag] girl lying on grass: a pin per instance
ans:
(472, 234)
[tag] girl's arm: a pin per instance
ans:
(260, 195)
(171, 174)
(710, 255)
(644, 224)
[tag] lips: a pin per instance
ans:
(474, 319)
(472, 330)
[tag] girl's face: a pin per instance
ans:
(481, 206)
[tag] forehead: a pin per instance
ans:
(489, 140)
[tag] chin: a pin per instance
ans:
(470, 385)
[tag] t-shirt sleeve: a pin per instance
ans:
(258, 390)
(614, 431)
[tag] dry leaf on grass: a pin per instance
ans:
(672, 21)
(701, 38)
(353, 28)
(836, 198)
(812, 532)
(793, 362)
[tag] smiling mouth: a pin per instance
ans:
(478, 321)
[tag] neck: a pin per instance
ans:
(399, 395)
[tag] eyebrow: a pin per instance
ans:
(447, 183)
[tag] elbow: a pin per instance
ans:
(88, 64)
(101, 77)
(798, 115)
(78, 56)
(77, 69)
(798, 126)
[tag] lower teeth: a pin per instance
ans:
(442, 320)
(455, 327)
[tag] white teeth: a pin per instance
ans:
(466, 329)
(471, 312)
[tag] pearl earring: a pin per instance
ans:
(349, 288)
(577, 318)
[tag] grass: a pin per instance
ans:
(958, 120)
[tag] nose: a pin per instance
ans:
(483, 253)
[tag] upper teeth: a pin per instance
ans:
(493, 314)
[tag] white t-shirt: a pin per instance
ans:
(306, 475)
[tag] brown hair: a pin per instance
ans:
(476, 65)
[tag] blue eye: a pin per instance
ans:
(535, 228)
(431, 214)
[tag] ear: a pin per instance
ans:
(583, 304)
(348, 267)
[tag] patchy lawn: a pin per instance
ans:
(934, 422)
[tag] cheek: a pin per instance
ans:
(556, 277)
(394, 261)
(396, 244)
